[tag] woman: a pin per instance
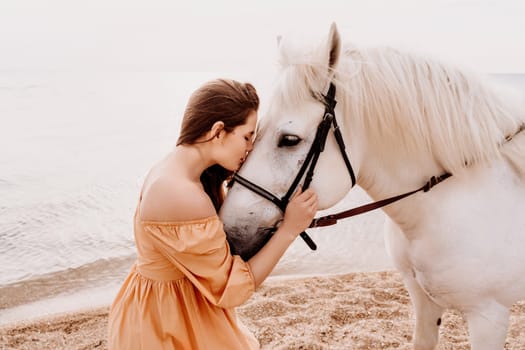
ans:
(182, 290)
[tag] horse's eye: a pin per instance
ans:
(289, 141)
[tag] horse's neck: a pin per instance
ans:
(383, 178)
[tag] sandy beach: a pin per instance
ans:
(352, 311)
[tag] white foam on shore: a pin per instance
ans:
(64, 303)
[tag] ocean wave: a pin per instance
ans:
(94, 274)
(64, 231)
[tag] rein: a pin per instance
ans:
(332, 218)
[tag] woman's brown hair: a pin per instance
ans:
(223, 100)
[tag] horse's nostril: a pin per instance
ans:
(251, 213)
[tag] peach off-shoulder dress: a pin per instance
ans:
(182, 290)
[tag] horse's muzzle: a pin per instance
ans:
(248, 246)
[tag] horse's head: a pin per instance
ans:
(284, 138)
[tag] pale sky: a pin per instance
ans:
(191, 35)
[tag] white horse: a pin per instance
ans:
(404, 119)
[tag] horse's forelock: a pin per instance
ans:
(304, 71)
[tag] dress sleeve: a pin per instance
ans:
(199, 249)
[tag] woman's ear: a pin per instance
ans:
(216, 129)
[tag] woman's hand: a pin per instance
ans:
(300, 211)
(297, 217)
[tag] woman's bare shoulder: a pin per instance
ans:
(166, 199)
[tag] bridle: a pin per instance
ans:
(310, 162)
(308, 167)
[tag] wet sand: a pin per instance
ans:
(352, 311)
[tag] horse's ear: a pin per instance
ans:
(279, 37)
(334, 42)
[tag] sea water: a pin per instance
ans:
(74, 149)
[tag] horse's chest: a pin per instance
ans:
(439, 290)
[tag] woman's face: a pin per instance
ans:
(237, 143)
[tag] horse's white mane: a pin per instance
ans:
(407, 103)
